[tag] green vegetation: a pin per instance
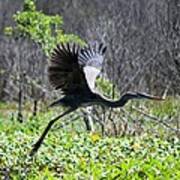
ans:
(73, 153)
(144, 147)
(43, 29)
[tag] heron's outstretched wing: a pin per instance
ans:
(64, 71)
(91, 59)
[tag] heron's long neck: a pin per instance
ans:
(114, 104)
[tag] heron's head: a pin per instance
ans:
(147, 96)
(138, 95)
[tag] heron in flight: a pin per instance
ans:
(73, 70)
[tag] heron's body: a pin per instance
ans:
(75, 101)
(84, 100)
(73, 70)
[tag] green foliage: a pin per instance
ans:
(170, 107)
(106, 87)
(29, 5)
(72, 153)
(43, 29)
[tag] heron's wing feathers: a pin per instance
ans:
(65, 72)
(91, 59)
(92, 55)
(91, 73)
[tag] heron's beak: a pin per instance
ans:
(158, 98)
(144, 95)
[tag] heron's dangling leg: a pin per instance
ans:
(37, 145)
(88, 119)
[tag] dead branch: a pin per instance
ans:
(156, 119)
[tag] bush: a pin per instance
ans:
(43, 29)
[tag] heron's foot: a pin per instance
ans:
(35, 148)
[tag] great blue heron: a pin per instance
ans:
(73, 70)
